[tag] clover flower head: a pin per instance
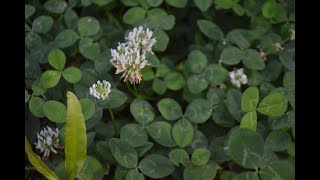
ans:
(293, 33)
(101, 90)
(238, 77)
(263, 55)
(130, 58)
(48, 141)
(278, 46)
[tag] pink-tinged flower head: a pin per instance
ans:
(130, 57)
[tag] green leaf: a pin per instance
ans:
(121, 173)
(55, 6)
(57, 59)
(72, 74)
(29, 10)
(272, 70)
(231, 55)
(169, 109)
(249, 120)
(199, 140)
(273, 105)
(134, 174)
(50, 78)
(88, 26)
(196, 61)
(246, 176)
(215, 96)
(218, 149)
(124, 153)
(164, 22)
(143, 149)
(200, 157)
(246, 147)
(134, 134)
(75, 137)
(134, 15)
(215, 74)
(289, 81)
(162, 70)
(142, 111)
(174, 81)
(222, 117)
(253, 60)
(162, 40)
(66, 38)
(177, 3)
(147, 73)
(250, 99)
(103, 150)
(156, 166)
(269, 9)
(35, 106)
(179, 156)
(199, 111)
(33, 41)
(88, 108)
(130, 2)
(237, 37)
(42, 24)
(37, 163)
(233, 104)
(160, 131)
(154, 3)
(55, 111)
(225, 4)
(197, 83)
(206, 172)
(91, 170)
(203, 5)
(254, 78)
(158, 86)
(278, 170)
(239, 10)
(182, 132)
(210, 29)
(277, 141)
(89, 49)
(71, 19)
(116, 98)
(26, 96)
(102, 2)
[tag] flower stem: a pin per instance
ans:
(135, 89)
(113, 122)
(130, 89)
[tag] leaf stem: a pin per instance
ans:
(113, 122)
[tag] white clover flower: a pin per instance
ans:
(48, 140)
(293, 33)
(130, 57)
(101, 90)
(238, 77)
(278, 46)
(263, 55)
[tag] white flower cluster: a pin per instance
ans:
(238, 77)
(293, 33)
(278, 46)
(101, 90)
(130, 57)
(48, 140)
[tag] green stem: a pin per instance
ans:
(130, 89)
(113, 122)
(135, 89)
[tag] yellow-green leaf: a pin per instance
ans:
(75, 138)
(37, 163)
